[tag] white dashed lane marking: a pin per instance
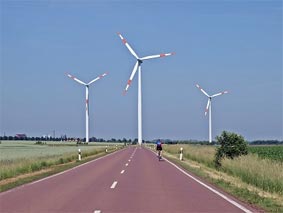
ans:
(122, 171)
(113, 185)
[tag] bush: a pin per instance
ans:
(39, 143)
(43, 164)
(61, 161)
(35, 167)
(232, 145)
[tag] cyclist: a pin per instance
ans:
(159, 148)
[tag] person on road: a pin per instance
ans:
(159, 148)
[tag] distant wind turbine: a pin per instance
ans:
(138, 66)
(208, 107)
(86, 100)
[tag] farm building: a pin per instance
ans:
(21, 136)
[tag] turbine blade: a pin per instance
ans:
(97, 78)
(157, 56)
(198, 86)
(75, 79)
(131, 77)
(207, 106)
(221, 93)
(128, 46)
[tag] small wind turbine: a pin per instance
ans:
(86, 100)
(208, 107)
(138, 66)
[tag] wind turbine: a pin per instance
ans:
(86, 100)
(138, 67)
(208, 107)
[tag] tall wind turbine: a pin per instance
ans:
(86, 100)
(138, 67)
(208, 107)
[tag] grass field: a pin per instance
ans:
(12, 150)
(22, 157)
(265, 174)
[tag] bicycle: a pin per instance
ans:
(159, 155)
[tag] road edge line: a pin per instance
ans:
(60, 173)
(208, 187)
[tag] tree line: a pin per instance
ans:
(132, 141)
(66, 139)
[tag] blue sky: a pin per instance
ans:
(222, 45)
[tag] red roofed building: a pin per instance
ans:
(21, 136)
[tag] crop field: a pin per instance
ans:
(253, 169)
(12, 150)
(21, 157)
(268, 152)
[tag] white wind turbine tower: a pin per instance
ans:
(208, 108)
(138, 66)
(87, 100)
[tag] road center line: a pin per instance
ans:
(122, 171)
(97, 211)
(127, 164)
(113, 185)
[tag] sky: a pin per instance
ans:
(219, 44)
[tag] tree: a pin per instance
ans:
(232, 145)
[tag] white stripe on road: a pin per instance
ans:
(113, 185)
(211, 189)
(97, 211)
(60, 173)
(127, 164)
(122, 171)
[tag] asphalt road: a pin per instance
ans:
(130, 180)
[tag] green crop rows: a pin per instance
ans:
(268, 152)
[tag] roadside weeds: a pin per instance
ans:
(10, 183)
(254, 196)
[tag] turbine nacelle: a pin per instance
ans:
(139, 60)
(208, 107)
(138, 67)
(87, 98)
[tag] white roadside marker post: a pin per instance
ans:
(80, 154)
(181, 153)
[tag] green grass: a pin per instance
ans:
(51, 171)
(25, 157)
(268, 152)
(241, 193)
(12, 150)
(263, 174)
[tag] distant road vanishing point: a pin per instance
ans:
(129, 180)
